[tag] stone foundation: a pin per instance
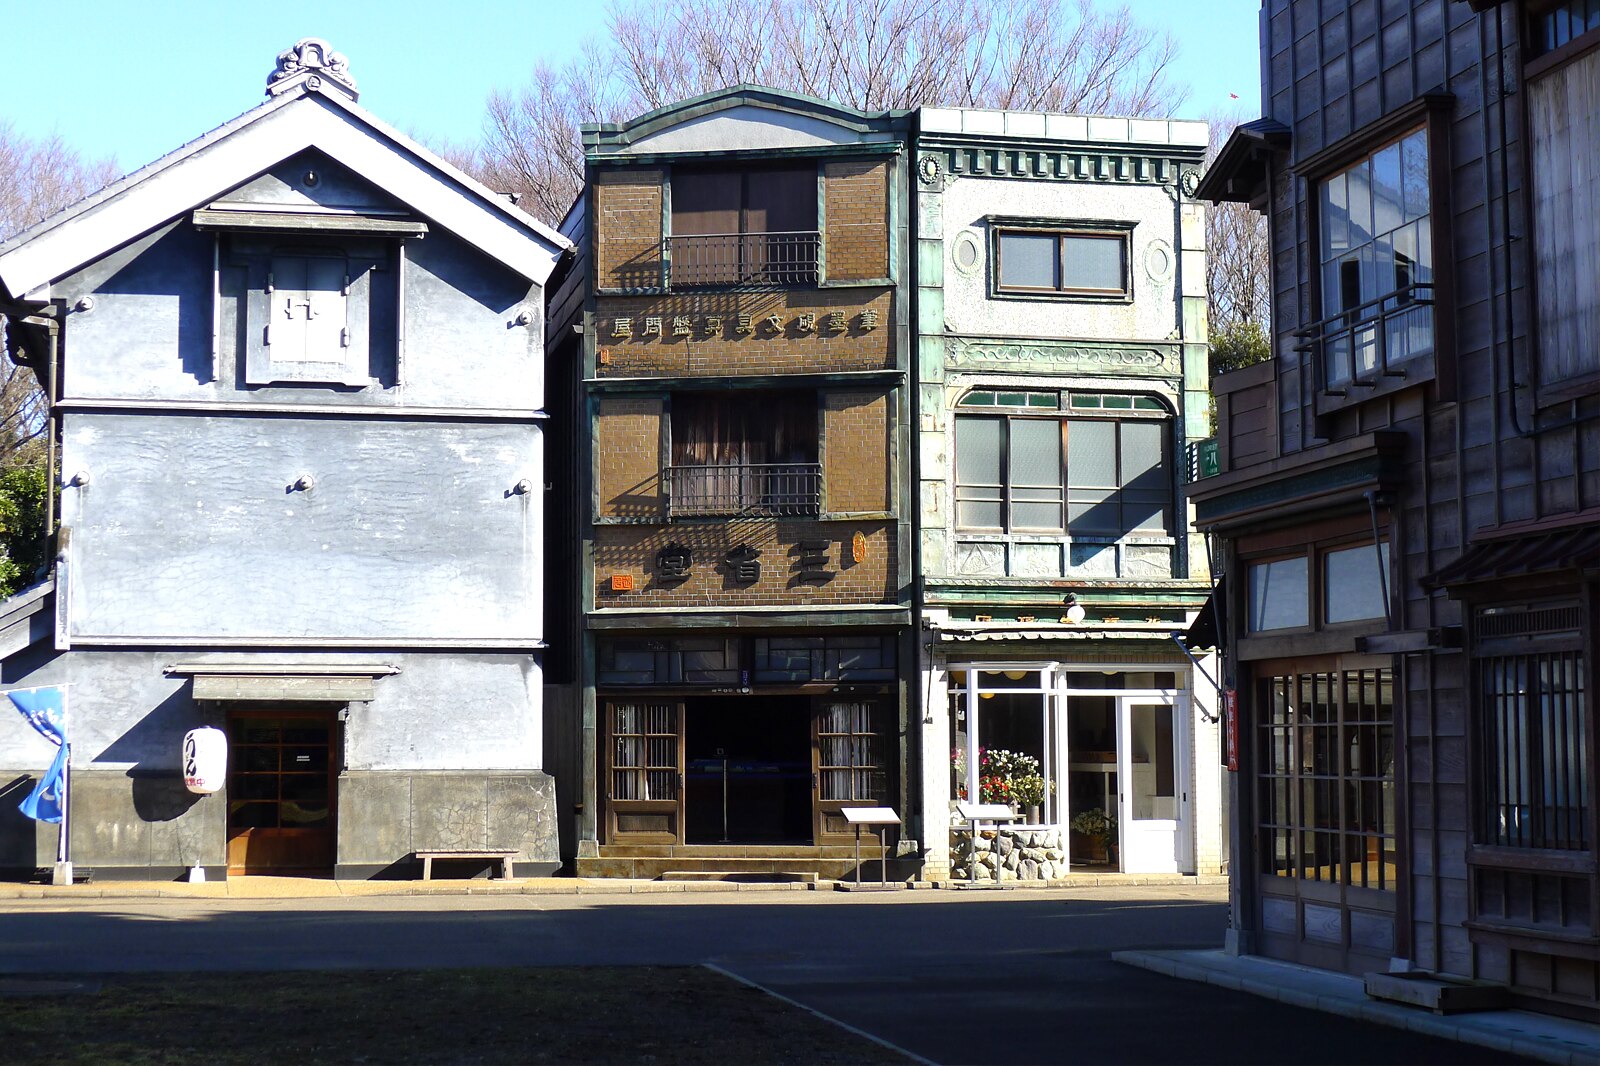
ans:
(1018, 853)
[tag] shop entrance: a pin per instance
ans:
(283, 769)
(748, 769)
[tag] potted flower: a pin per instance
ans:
(1100, 828)
(1029, 790)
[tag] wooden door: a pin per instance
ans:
(283, 770)
(644, 772)
(851, 758)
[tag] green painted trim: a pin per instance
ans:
(1317, 481)
(787, 617)
(747, 381)
(822, 224)
(744, 94)
(831, 151)
(666, 227)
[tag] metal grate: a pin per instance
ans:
(1533, 750)
(736, 260)
(765, 489)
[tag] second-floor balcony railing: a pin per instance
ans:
(779, 490)
(742, 260)
(1374, 340)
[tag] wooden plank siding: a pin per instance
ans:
(1332, 70)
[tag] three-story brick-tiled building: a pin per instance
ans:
(744, 592)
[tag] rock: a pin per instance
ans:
(1028, 870)
(1006, 845)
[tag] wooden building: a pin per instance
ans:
(1406, 495)
(737, 391)
(295, 381)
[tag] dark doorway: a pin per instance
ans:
(748, 770)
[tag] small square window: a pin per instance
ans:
(1080, 263)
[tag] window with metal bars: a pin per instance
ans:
(1325, 777)
(851, 759)
(644, 765)
(1530, 677)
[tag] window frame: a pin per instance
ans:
(1317, 636)
(1535, 67)
(1431, 113)
(1002, 226)
(1059, 416)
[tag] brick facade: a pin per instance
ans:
(627, 231)
(633, 551)
(628, 458)
(855, 451)
(716, 348)
(856, 210)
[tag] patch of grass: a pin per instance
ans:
(655, 1015)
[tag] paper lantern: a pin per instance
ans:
(205, 760)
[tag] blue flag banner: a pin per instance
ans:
(45, 709)
(44, 802)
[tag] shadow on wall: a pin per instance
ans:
(153, 745)
(18, 833)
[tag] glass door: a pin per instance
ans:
(1152, 773)
(852, 759)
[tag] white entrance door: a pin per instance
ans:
(1152, 777)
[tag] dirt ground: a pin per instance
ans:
(655, 1015)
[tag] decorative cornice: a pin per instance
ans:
(1051, 356)
(1111, 164)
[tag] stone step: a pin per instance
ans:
(734, 851)
(790, 876)
(653, 867)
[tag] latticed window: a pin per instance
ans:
(644, 765)
(1530, 675)
(851, 763)
(1325, 774)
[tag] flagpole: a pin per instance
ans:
(63, 871)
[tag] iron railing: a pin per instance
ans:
(765, 489)
(735, 260)
(1374, 340)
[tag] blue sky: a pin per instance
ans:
(133, 80)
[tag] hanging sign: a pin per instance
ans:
(205, 760)
(1230, 714)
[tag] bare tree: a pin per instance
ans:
(38, 177)
(1238, 273)
(1054, 55)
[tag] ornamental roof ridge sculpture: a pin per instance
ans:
(312, 61)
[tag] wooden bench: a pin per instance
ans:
(428, 856)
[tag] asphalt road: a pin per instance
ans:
(954, 977)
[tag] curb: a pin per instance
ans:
(1500, 1033)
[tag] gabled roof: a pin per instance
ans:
(306, 116)
(808, 118)
(1239, 173)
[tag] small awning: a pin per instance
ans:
(1208, 626)
(325, 682)
(1572, 550)
(1014, 632)
(1239, 172)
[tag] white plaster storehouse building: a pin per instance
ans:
(1061, 374)
(295, 371)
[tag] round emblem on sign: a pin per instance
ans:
(928, 169)
(1189, 182)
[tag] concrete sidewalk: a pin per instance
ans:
(256, 887)
(1535, 1036)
